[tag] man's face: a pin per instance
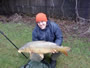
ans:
(42, 24)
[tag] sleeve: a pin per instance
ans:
(34, 35)
(58, 35)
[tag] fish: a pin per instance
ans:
(43, 47)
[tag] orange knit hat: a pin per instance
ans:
(41, 17)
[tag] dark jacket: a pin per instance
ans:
(51, 33)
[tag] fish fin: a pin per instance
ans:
(65, 50)
(36, 57)
(42, 56)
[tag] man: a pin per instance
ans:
(47, 30)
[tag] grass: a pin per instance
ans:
(79, 56)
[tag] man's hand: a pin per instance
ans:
(54, 51)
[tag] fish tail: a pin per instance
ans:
(65, 50)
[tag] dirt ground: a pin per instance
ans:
(80, 29)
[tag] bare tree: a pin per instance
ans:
(78, 17)
(62, 8)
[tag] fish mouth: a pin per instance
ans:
(19, 51)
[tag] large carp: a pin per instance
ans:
(43, 47)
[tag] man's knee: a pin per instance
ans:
(54, 56)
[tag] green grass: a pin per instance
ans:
(79, 56)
